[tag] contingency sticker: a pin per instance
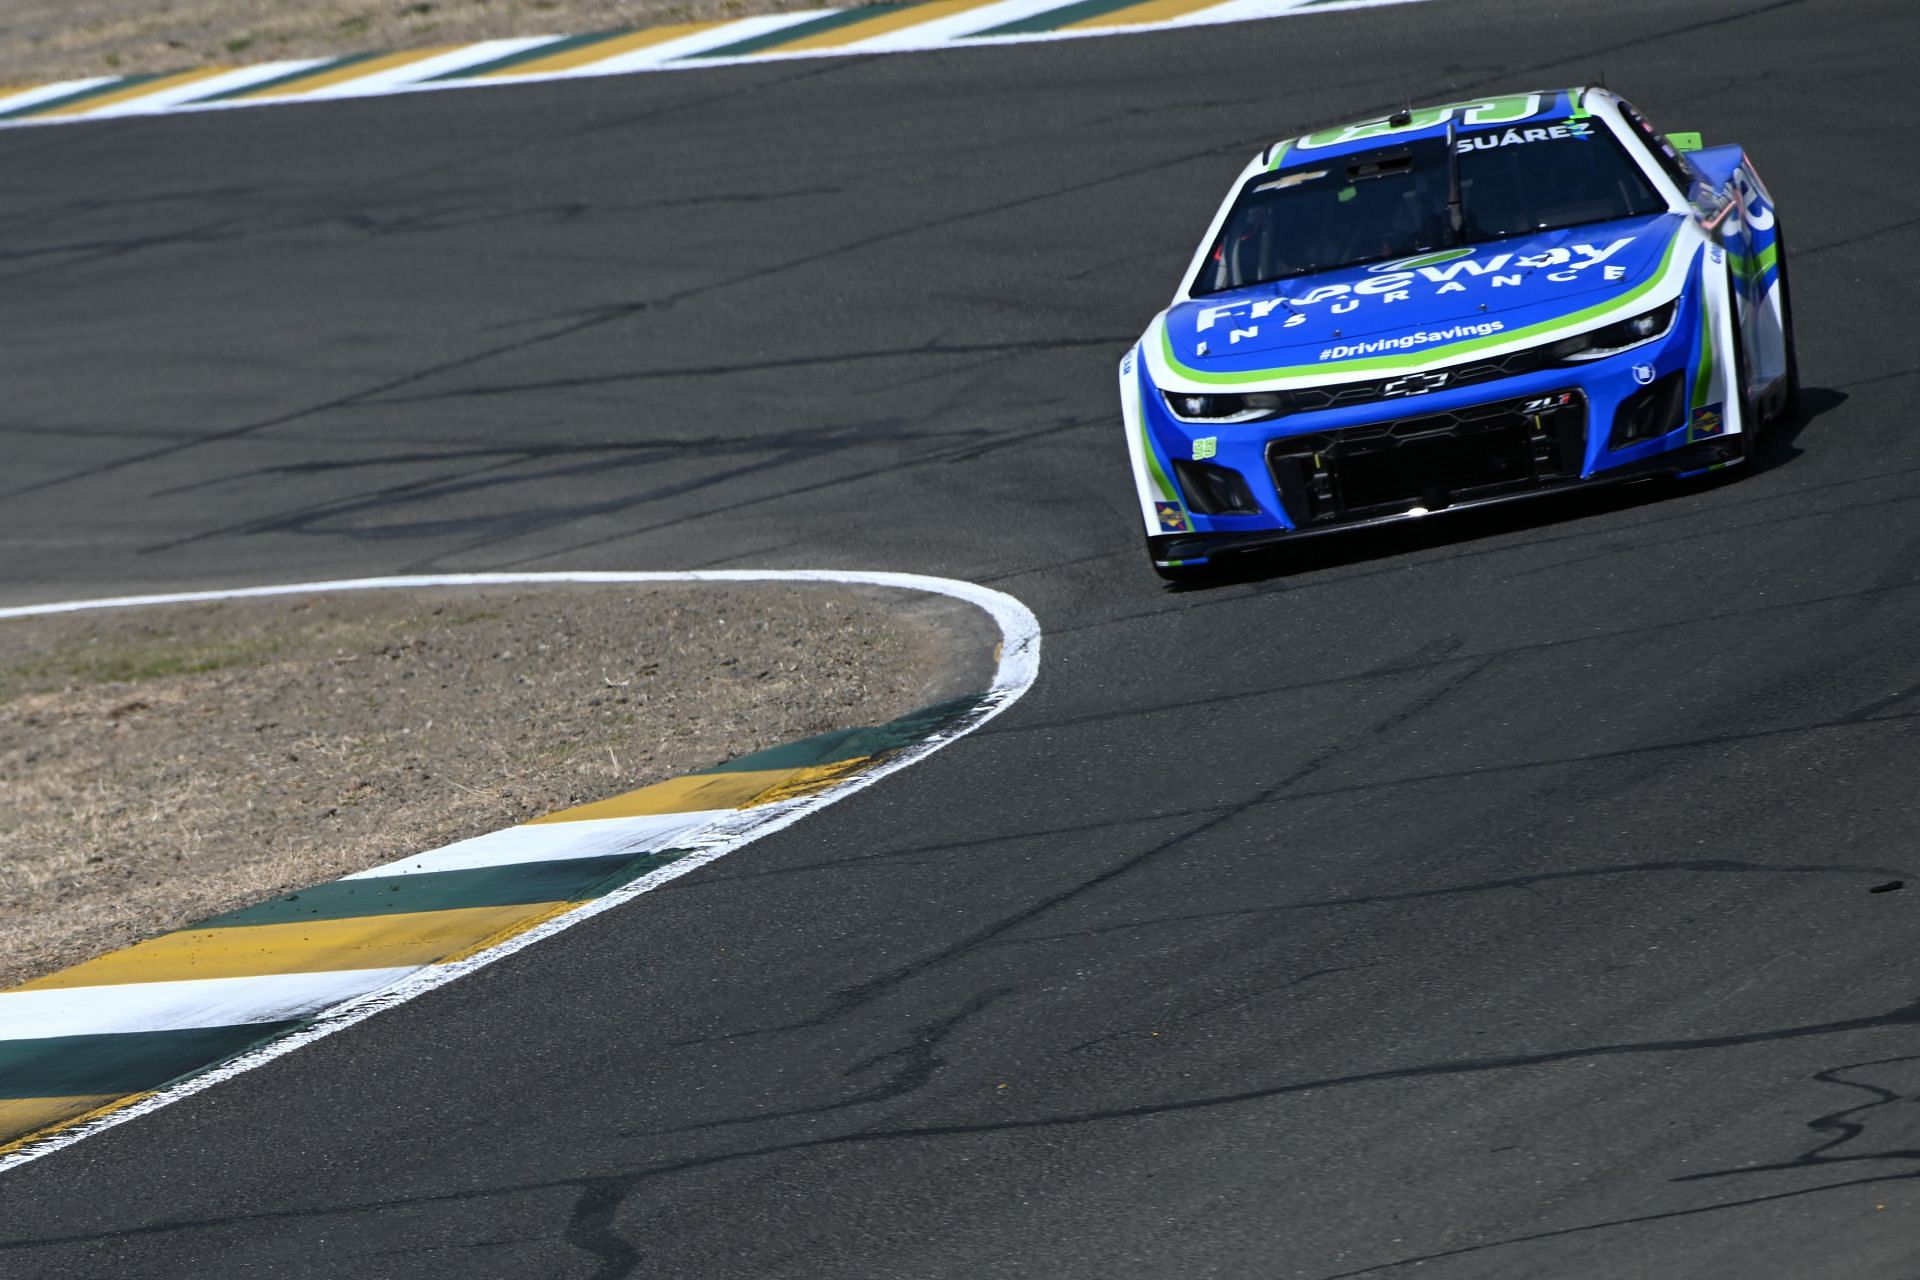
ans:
(1708, 421)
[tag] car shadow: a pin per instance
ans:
(1780, 443)
(1779, 446)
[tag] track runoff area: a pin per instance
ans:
(813, 33)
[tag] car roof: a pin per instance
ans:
(1514, 109)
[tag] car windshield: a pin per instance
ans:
(1394, 202)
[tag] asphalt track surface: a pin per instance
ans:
(1495, 894)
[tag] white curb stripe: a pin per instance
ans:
(1018, 666)
(48, 92)
(733, 33)
(958, 26)
(378, 82)
(164, 99)
(1258, 10)
(175, 1006)
(554, 842)
(658, 56)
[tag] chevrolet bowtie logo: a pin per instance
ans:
(1414, 384)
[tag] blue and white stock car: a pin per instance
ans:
(1456, 306)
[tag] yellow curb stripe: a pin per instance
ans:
(700, 791)
(22, 1120)
(129, 94)
(518, 927)
(910, 15)
(1152, 11)
(587, 55)
(356, 942)
(804, 782)
(323, 78)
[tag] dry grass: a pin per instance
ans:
(163, 765)
(47, 40)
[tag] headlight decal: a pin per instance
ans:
(1621, 335)
(1215, 406)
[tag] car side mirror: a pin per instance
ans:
(1685, 141)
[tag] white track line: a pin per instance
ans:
(1019, 665)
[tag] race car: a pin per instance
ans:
(1454, 306)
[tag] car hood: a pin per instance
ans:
(1483, 294)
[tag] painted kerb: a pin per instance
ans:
(816, 33)
(134, 1030)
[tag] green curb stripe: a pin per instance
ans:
(559, 880)
(1054, 19)
(129, 1062)
(67, 100)
(291, 78)
(525, 56)
(799, 31)
(853, 744)
(1451, 350)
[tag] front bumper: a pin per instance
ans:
(1691, 459)
(1527, 429)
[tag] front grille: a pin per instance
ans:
(1510, 365)
(1433, 460)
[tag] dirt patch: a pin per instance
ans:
(161, 765)
(48, 40)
